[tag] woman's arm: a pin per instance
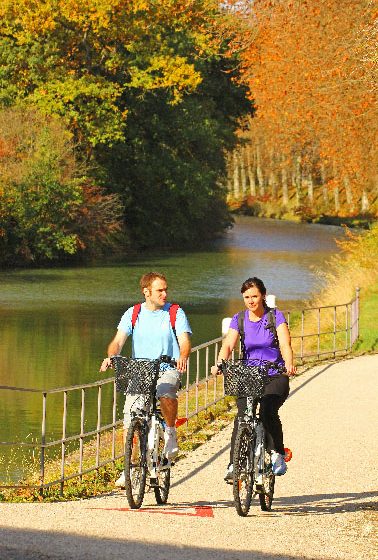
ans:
(285, 347)
(228, 345)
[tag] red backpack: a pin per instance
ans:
(172, 316)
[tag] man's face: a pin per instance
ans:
(156, 295)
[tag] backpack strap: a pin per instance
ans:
(134, 317)
(241, 316)
(272, 326)
(174, 307)
(172, 317)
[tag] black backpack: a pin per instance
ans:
(271, 326)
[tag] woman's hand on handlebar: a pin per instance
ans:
(290, 369)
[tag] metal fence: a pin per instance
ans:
(317, 333)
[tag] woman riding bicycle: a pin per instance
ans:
(262, 341)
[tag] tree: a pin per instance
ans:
(309, 67)
(48, 208)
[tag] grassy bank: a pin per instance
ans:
(199, 429)
(355, 266)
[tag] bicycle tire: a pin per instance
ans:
(135, 463)
(268, 480)
(243, 461)
(163, 480)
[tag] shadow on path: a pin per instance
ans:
(44, 545)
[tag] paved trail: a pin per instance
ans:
(323, 508)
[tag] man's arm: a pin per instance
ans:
(114, 348)
(185, 348)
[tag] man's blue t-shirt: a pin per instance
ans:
(153, 335)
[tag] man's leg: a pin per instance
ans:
(169, 410)
(166, 391)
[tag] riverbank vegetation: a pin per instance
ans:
(355, 266)
(144, 95)
(140, 110)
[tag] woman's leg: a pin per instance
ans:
(241, 403)
(269, 407)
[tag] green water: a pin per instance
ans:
(56, 323)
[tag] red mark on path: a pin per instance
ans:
(195, 511)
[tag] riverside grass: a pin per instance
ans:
(191, 435)
(355, 266)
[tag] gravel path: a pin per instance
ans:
(323, 508)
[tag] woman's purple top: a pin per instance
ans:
(259, 340)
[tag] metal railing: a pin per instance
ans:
(317, 333)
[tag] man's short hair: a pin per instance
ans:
(147, 279)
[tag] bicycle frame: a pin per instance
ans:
(144, 449)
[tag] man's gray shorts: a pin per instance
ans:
(167, 386)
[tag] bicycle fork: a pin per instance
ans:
(155, 434)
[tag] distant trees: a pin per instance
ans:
(147, 92)
(311, 69)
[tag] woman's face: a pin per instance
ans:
(253, 299)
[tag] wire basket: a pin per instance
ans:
(134, 376)
(242, 380)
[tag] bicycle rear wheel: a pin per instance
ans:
(163, 480)
(243, 470)
(266, 490)
(135, 463)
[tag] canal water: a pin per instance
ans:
(55, 323)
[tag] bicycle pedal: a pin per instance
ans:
(154, 483)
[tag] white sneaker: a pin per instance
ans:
(170, 444)
(229, 475)
(279, 466)
(120, 482)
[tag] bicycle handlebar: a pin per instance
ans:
(265, 364)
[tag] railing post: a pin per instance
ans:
(98, 439)
(64, 430)
(114, 418)
(43, 442)
(82, 424)
(358, 311)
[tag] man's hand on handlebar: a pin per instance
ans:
(181, 364)
(106, 363)
(215, 370)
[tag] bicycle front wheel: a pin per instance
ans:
(135, 464)
(163, 480)
(243, 470)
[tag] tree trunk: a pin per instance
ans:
(297, 179)
(259, 173)
(251, 172)
(324, 186)
(364, 202)
(236, 176)
(285, 191)
(348, 193)
(243, 177)
(310, 189)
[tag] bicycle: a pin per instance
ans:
(252, 467)
(144, 445)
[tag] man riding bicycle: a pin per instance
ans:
(154, 335)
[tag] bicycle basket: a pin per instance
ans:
(134, 376)
(242, 380)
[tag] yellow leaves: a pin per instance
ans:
(167, 71)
